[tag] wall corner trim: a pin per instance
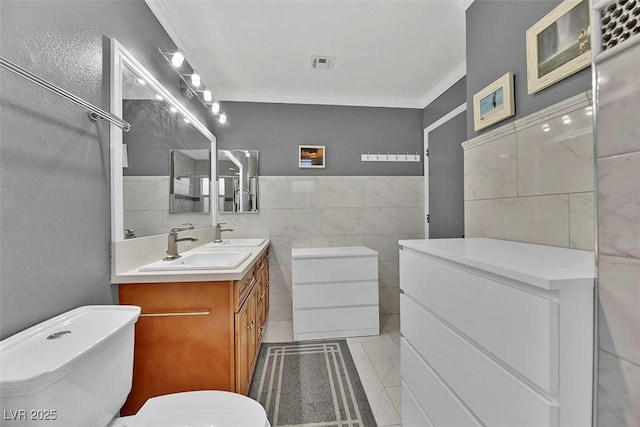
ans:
(583, 99)
(459, 72)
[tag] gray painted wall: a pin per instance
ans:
(347, 132)
(54, 163)
(154, 132)
(449, 100)
(496, 44)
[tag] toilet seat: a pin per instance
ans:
(200, 409)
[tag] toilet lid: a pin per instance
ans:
(200, 409)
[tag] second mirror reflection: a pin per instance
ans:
(238, 180)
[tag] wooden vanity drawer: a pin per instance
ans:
(243, 288)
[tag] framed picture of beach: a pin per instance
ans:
(311, 156)
(493, 103)
(558, 45)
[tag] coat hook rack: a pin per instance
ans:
(388, 157)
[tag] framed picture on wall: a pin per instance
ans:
(311, 156)
(493, 103)
(558, 45)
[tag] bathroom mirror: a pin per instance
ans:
(189, 182)
(143, 191)
(238, 181)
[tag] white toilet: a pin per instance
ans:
(76, 369)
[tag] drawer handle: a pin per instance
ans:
(250, 327)
(180, 313)
(261, 330)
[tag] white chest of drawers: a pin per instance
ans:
(335, 292)
(496, 333)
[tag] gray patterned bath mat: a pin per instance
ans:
(310, 383)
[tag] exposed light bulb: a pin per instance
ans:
(215, 107)
(223, 118)
(159, 97)
(195, 78)
(546, 127)
(566, 120)
(186, 120)
(207, 95)
(589, 110)
(173, 109)
(177, 59)
(141, 81)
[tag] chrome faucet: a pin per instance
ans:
(172, 249)
(218, 236)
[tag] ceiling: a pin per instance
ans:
(391, 53)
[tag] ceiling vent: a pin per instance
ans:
(322, 62)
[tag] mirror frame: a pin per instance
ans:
(119, 58)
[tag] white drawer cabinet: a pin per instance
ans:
(497, 332)
(335, 292)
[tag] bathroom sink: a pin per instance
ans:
(236, 242)
(200, 261)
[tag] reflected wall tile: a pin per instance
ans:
(146, 194)
(582, 221)
(399, 220)
(339, 221)
(540, 219)
(333, 241)
(391, 193)
(280, 250)
(278, 193)
(559, 160)
(490, 170)
(618, 126)
(144, 223)
(619, 205)
(619, 293)
(337, 194)
(294, 222)
(618, 392)
(280, 278)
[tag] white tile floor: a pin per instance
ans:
(377, 359)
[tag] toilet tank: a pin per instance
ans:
(72, 370)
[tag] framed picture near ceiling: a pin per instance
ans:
(494, 103)
(311, 156)
(558, 45)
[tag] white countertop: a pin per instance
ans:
(330, 252)
(546, 267)
(136, 276)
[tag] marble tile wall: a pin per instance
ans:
(533, 180)
(618, 189)
(321, 211)
(146, 207)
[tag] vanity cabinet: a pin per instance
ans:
(197, 335)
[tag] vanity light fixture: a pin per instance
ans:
(195, 78)
(173, 109)
(566, 120)
(589, 110)
(186, 120)
(177, 58)
(141, 81)
(191, 83)
(546, 127)
(159, 97)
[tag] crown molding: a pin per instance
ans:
(351, 101)
(459, 72)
